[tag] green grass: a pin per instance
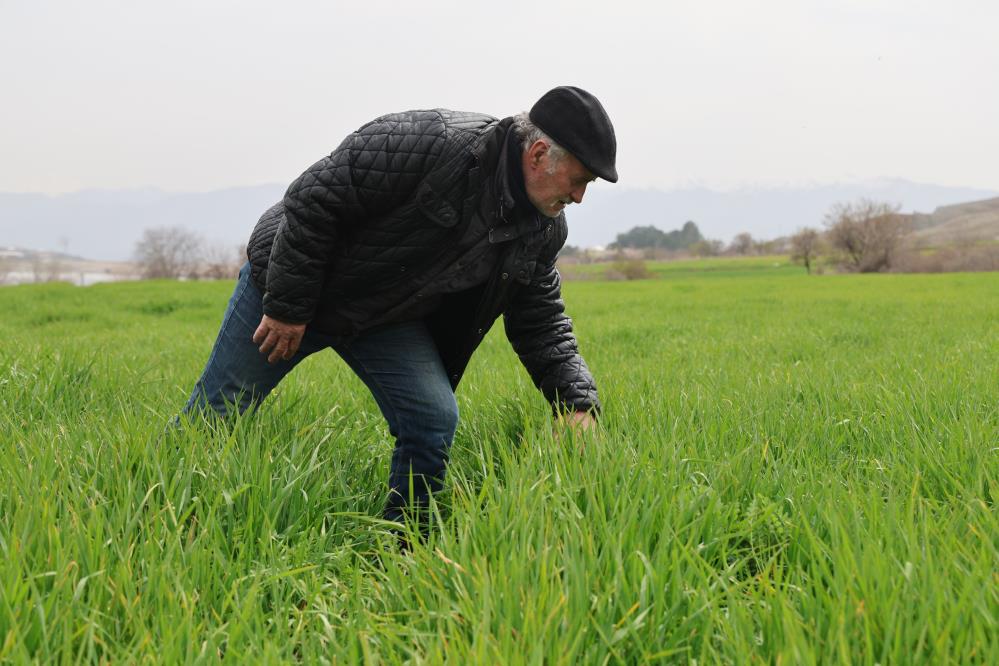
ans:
(712, 267)
(789, 469)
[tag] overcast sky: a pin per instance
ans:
(204, 95)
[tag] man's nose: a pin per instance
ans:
(577, 194)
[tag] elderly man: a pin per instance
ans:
(399, 250)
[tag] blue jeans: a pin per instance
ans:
(399, 363)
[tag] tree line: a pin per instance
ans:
(653, 238)
(864, 236)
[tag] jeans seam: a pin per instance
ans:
(225, 322)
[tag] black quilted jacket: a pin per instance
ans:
(371, 229)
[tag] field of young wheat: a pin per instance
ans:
(788, 469)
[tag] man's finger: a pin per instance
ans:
(261, 333)
(269, 342)
(279, 351)
(294, 342)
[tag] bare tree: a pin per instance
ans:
(221, 262)
(867, 233)
(741, 244)
(168, 252)
(804, 247)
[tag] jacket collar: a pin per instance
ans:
(514, 218)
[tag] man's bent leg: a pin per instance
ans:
(401, 366)
(237, 374)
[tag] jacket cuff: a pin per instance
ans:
(589, 403)
(284, 312)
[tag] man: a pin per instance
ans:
(399, 250)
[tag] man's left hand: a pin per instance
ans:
(580, 421)
(279, 340)
(574, 424)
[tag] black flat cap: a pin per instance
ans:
(576, 120)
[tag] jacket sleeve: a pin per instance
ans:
(541, 334)
(374, 170)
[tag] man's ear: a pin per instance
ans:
(536, 151)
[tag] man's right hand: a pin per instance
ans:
(278, 339)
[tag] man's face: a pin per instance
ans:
(551, 187)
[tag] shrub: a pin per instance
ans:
(631, 269)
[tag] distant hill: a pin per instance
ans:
(11, 254)
(20, 265)
(105, 225)
(967, 222)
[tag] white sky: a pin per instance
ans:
(187, 95)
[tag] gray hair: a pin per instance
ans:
(528, 133)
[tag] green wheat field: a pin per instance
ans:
(789, 469)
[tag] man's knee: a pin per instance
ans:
(429, 411)
(449, 413)
(442, 413)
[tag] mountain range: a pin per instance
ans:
(105, 224)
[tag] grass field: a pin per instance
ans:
(789, 469)
(703, 267)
